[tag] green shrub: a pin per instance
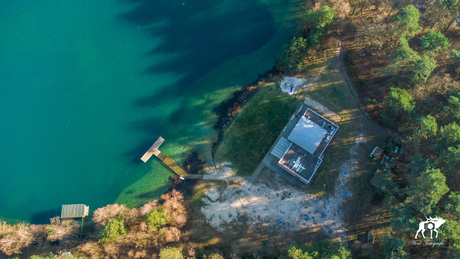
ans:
(156, 219)
(171, 253)
(370, 101)
(115, 227)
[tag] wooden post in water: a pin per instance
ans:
(82, 221)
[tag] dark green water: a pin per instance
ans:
(87, 87)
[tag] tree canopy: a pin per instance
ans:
(291, 56)
(409, 65)
(320, 250)
(405, 53)
(426, 190)
(422, 69)
(406, 24)
(455, 54)
(449, 136)
(451, 157)
(400, 101)
(319, 22)
(156, 219)
(395, 248)
(428, 126)
(434, 41)
(321, 19)
(115, 227)
(454, 106)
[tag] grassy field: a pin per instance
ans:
(255, 129)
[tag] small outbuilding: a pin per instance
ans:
(376, 153)
(74, 211)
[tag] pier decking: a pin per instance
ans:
(153, 150)
(166, 160)
(169, 162)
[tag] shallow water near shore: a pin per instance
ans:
(88, 86)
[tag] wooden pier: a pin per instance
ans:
(153, 150)
(166, 160)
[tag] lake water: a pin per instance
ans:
(88, 86)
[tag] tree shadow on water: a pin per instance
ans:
(44, 216)
(134, 155)
(155, 194)
(201, 35)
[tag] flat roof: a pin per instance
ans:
(377, 152)
(307, 135)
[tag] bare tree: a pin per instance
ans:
(101, 215)
(92, 250)
(173, 205)
(16, 241)
(6, 228)
(148, 207)
(61, 230)
(171, 234)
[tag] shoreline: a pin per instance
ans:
(228, 109)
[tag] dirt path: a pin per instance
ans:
(351, 87)
(362, 121)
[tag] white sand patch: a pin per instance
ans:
(213, 194)
(293, 83)
(360, 139)
(261, 206)
(223, 169)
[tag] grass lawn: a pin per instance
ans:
(255, 129)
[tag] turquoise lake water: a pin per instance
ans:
(88, 86)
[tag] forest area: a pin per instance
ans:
(403, 58)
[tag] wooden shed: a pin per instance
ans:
(377, 152)
(74, 211)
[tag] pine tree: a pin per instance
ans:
(426, 190)
(434, 41)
